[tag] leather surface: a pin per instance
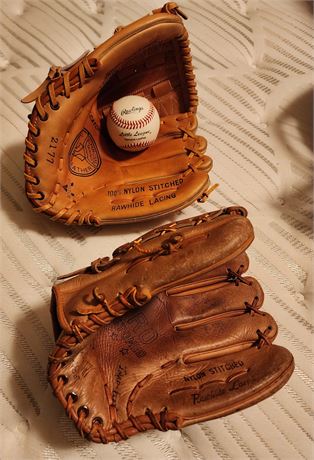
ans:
(195, 352)
(154, 262)
(75, 173)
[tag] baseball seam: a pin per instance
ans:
(132, 145)
(132, 124)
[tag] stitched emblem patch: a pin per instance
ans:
(84, 157)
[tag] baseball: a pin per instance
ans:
(133, 123)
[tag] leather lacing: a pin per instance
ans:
(97, 266)
(189, 74)
(236, 277)
(205, 218)
(158, 424)
(205, 195)
(161, 421)
(167, 247)
(263, 337)
(193, 98)
(175, 226)
(173, 8)
(193, 167)
(253, 307)
(102, 264)
(58, 82)
(134, 296)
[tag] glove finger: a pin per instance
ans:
(145, 267)
(150, 240)
(212, 299)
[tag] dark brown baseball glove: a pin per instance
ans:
(198, 350)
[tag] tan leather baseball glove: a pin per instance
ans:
(197, 351)
(73, 171)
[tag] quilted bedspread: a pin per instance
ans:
(254, 65)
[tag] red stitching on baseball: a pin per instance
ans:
(140, 145)
(132, 124)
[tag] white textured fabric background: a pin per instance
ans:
(254, 65)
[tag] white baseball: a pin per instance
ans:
(133, 123)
